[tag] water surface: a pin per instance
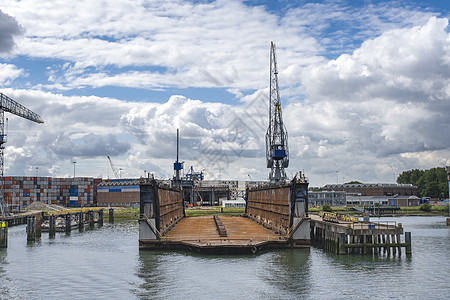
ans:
(105, 263)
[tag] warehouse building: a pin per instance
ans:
(374, 189)
(333, 198)
(400, 201)
(118, 192)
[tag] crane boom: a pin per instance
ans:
(9, 105)
(277, 152)
(113, 168)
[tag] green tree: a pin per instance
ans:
(430, 183)
(354, 182)
(411, 176)
(326, 207)
(425, 207)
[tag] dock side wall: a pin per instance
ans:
(171, 208)
(161, 207)
(270, 206)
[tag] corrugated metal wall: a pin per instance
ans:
(270, 207)
(170, 207)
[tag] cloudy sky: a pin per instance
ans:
(365, 88)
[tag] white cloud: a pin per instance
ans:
(9, 73)
(367, 99)
(9, 28)
(386, 99)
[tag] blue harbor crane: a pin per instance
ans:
(9, 105)
(277, 152)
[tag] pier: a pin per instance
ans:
(52, 222)
(344, 237)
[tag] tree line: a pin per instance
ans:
(431, 183)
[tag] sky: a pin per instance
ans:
(364, 87)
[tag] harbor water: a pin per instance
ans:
(105, 263)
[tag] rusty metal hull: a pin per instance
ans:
(278, 206)
(161, 207)
(270, 206)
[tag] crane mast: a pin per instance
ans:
(9, 105)
(277, 153)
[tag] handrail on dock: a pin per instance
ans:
(375, 225)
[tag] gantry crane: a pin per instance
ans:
(9, 105)
(277, 153)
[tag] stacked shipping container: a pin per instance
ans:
(22, 191)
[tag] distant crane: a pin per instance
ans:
(177, 165)
(277, 152)
(113, 168)
(9, 105)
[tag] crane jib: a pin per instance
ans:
(9, 105)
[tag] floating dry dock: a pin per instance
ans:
(276, 217)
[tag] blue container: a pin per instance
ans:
(73, 192)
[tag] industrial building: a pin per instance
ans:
(118, 192)
(374, 189)
(333, 198)
(400, 201)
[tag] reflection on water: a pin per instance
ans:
(289, 272)
(106, 263)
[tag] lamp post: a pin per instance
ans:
(74, 168)
(37, 172)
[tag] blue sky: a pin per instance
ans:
(364, 86)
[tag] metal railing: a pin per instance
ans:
(375, 225)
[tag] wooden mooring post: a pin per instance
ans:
(111, 215)
(51, 226)
(100, 218)
(91, 219)
(3, 234)
(80, 221)
(31, 229)
(38, 224)
(68, 219)
(361, 238)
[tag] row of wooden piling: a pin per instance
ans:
(34, 224)
(343, 241)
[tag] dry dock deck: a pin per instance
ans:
(201, 234)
